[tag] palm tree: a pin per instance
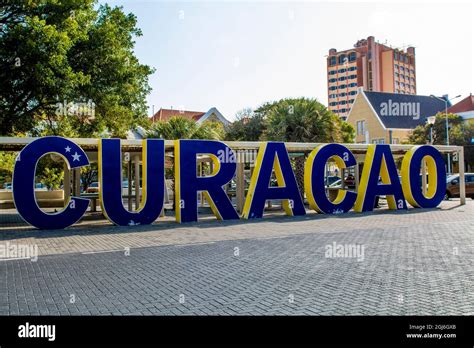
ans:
(184, 128)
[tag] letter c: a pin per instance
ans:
(23, 183)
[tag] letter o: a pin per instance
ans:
(411, 166)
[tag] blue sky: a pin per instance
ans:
(233, 55)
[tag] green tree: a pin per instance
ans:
(56, 55)
(460, 133)
(304, 120)
(248, 126)
(178, 127)
(7, 163)
(52, 178)
(216, 129)
(89, 174)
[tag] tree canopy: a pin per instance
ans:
(248, 126)
(178, 127)
(57, 57)
(297, 119)
(460, 132)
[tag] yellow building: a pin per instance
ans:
(389, 118)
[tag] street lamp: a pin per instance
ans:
(446, 100)
(431, 121)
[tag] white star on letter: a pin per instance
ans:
(75, 157)
(68, 149)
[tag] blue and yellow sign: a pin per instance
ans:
(379, 177)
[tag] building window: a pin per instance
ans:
(343, 70)
(343, 94)
(353, 84)
(332, 61)
(378, 141)
(332, 88)
(333, 72)
(395, 55)
(395, 141)
(352, 68)
(352, 92)
(333, 80)
(342, 86)
(343, 102)
(360, 127)
(342, 78)
(342, 59)
(352, 57)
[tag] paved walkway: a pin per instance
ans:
(414, 262)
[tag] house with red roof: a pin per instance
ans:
(199, 116)
(464, 108)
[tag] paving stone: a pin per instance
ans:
(409, 267)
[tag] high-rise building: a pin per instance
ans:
(371, 65)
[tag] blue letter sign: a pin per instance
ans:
(411, 180)
(188, 184)
(379, 177)
(273, 155)
(24, 183)
(153, 182)
(314, 181)
(379, 166)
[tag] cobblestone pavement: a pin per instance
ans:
(419, 262)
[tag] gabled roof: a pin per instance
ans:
(198, 116)
(137, 133)
(214, 111)
(467, 104)
(403, 110)
(166, 114)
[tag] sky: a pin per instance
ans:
(233, 55)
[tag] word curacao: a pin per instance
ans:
(379, 177)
